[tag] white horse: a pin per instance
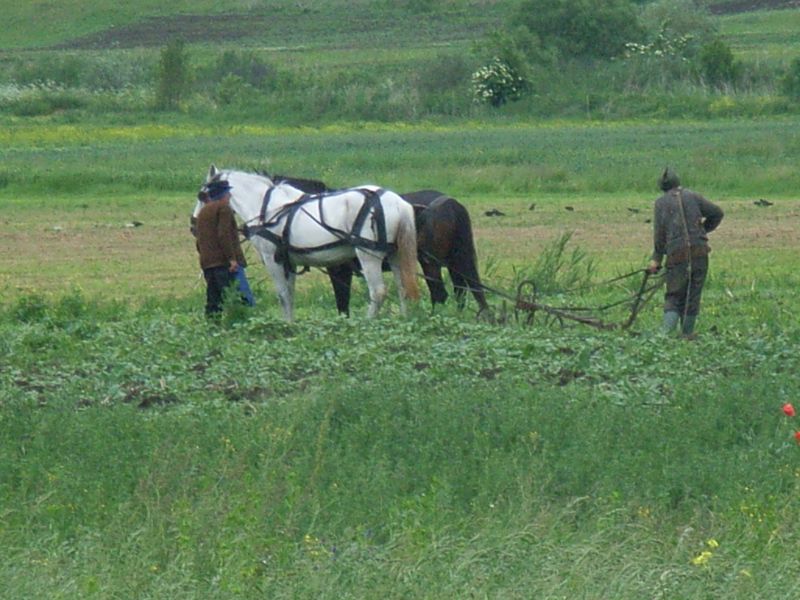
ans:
(289, 228)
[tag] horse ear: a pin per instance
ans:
(212, 171)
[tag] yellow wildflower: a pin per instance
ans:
(702, 559)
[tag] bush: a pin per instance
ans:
(232, 89)
(678, 23)
(247, 66)
(581, 28)
(496, 83)
(717, 65)
(790, 82)
(42, 100)
(443, 84)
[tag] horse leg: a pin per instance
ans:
(394, 264)
(460, 287)
(371, 266)
(433, 277)
(341, 277)
(284, 286)
(464, 273)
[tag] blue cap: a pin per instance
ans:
(217, 189)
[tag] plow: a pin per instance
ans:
(527, 304)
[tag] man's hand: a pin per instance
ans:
(653, 267)
(234, 266)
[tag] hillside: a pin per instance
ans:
(99, 24)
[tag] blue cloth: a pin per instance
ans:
(244, 287)
(217, 189)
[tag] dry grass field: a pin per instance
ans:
(97, 247)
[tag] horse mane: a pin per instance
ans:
(309, 186)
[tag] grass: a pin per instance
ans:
(432, 457)
(769, 36)
(150, 453)
(147, 453)
(506, 157)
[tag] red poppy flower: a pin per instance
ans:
(797, 436)
(788, 410)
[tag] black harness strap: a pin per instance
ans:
(282, 239)
(372, 203)
(264, 204)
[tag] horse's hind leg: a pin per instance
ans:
(394, 264)
(460, 287)
(371, 266)
(433, 277)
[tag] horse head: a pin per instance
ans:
(246, 190)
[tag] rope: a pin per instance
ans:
(688, 258)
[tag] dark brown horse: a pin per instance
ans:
(444, 239)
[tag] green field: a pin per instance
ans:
(148, 453)
(418, 457)
(766, 36)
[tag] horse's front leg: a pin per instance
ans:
(284, 283)
(341, 277)
(371, 266)
(284, 286)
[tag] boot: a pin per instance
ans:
(687, 329)
(671, 318)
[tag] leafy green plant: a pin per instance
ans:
(558, 270)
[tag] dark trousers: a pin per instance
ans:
(685, 286)
(218, 279)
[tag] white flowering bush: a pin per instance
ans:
(496, 83)
(663, 46)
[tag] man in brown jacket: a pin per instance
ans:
(217, 241)
(681, 222)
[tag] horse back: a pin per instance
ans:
(443, 225)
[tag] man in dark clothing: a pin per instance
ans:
(218, 245)
(682, 220)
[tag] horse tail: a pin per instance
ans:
(465, 250)
(465, 255)
(407, 252)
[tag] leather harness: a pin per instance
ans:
(278, 229)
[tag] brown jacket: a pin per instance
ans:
(217, 237)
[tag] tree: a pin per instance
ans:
(582, 28)
(173, 75)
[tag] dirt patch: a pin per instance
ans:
(291, 27)
(155, 31)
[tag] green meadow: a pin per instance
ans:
(148, 453)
